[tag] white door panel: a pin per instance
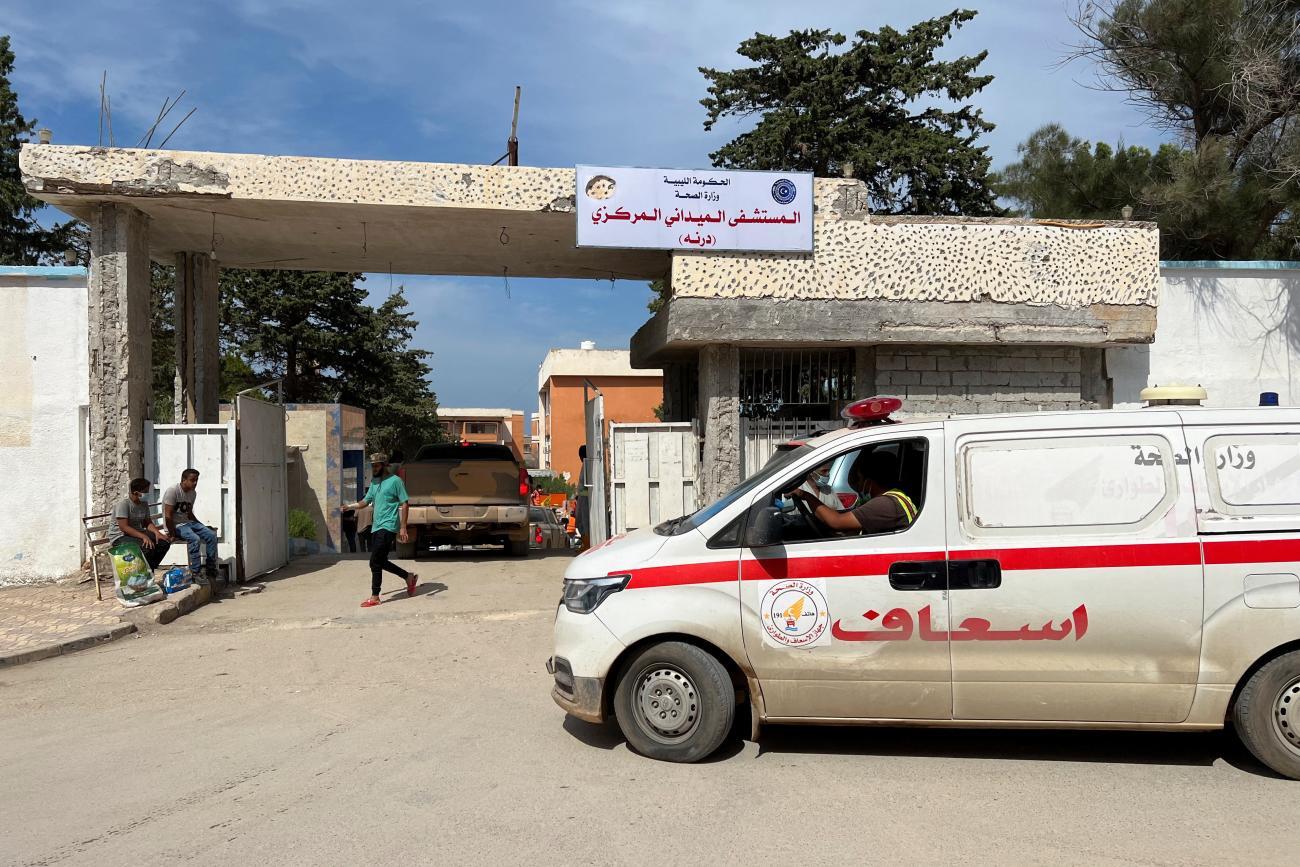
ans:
(1099, 608)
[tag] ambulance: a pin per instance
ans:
(1111, 569)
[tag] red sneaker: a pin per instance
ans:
(411, 578)
(370, 602)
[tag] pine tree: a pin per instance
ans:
(23, 241)
(315, 331)
(880, 109)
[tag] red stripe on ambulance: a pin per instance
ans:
(1012, 559)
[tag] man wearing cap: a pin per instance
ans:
(387, 496)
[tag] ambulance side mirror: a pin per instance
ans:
(764, 527)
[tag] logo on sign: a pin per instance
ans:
(600, 187)
(795, 614)
(783, 191)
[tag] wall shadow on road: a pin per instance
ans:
(1186, 749)
(487, 555)
(1190, 749)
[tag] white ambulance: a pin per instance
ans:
(1113, 569)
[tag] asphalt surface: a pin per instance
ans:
(293, 727)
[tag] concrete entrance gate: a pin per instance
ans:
(885, 288)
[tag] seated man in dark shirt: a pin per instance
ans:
(883, 506)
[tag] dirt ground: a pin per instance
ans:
(293, 727)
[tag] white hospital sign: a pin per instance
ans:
(676, 209)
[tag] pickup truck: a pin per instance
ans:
(466, 494)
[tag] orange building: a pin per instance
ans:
(631, 395)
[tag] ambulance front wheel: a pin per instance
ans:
(675, 702)
(1267, 714)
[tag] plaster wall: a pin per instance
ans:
(1231, 327)
(44, 371)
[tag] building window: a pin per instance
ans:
(481, 427)
(795, 383)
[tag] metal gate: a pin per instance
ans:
(653, 473)
(263, 487)
(759, 437)
(169, 450)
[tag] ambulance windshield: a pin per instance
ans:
(779, 461)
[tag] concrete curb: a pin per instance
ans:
(175, 605)
(110, 633)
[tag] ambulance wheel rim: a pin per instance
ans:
(1286, 716)
(667, 704)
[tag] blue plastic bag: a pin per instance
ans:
(176, 579)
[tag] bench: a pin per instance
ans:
(96, 528)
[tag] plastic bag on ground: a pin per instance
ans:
(133, 581)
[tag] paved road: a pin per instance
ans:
(293, 727)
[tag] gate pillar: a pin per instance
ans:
(198, 356)
(720, 419)
(120, 346)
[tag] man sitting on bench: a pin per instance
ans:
(131, 520)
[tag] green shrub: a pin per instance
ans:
(301, 526)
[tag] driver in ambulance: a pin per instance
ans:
(883, 506)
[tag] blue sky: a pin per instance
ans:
(604, 82)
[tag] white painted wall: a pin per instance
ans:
(1231, 327)
(43, 393)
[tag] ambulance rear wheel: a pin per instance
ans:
(675, 702)
(1267, 715)
(405, 550)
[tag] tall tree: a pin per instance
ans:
(1060, 175)
(1223, 78)
(883, 109)
(23, 241)
(316, 332)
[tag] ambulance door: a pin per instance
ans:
(1075, 575)
(846, 626)
(1247, 477)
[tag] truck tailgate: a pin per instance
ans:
(463, 483)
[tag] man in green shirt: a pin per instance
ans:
(387, 495)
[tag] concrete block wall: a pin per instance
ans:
(941, 380)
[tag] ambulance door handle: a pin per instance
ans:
(919, 575)
(974, 574)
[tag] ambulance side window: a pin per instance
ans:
(1254, 474)
(840, 484)
(1077, 485)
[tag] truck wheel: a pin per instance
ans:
(517, 548)
(675, 703)
(404, 550)
(1267, 715)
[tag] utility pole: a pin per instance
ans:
(512, 146)
(511, 156)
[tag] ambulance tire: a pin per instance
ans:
(688, 679)
(404, 550)
(517, 548)
(1267, 715)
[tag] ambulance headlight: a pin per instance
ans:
(584, 595)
